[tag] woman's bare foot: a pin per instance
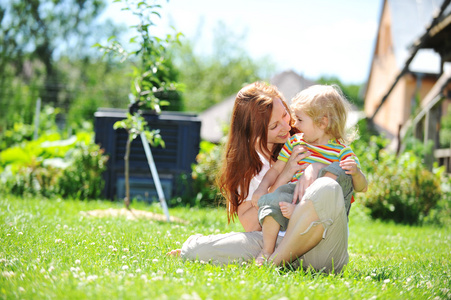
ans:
(262, 257)
(175, 253)
(287, 209)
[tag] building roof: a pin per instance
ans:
(214, 118)
(409, 20)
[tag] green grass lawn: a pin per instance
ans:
(50, 249)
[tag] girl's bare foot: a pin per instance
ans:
(287, 209)
(175, 253)
(262, 257)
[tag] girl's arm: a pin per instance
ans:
(358, 179)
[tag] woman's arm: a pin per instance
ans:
(268, 180)
(248, 216)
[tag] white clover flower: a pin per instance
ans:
(179, 271)
(114, 250)
(21, 289)
(77, 262)
(138, 271)
(125, 249)
(65, 226)
(20, 233)
(8, 274)
(177, 243)
(387, 280)
(42, 270)
(124, 267)
(124, 257)
(91, 277)
(8, 234)
(51, 269)
(154, 260)
(58, 241)
(110, 246)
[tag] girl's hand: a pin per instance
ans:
(349, 165)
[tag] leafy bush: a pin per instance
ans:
(82, 179)
(400, 188)
(20, 132)
(50, 166)
(204, 174)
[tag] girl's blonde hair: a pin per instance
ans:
(320, 101)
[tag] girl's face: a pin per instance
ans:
(279, 125)
(313, 134)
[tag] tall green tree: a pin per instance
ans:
(34, 34)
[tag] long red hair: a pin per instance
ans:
(248, 128)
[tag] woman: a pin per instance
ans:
(260, 125)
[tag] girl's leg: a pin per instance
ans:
(287, 209)
(270, 229)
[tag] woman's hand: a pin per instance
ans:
(292, 166)
(255, 197)
(310, 175)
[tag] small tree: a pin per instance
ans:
(150, 77)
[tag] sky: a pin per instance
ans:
(313, 38)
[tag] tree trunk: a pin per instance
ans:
(127, 172)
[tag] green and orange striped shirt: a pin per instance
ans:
(331, 152)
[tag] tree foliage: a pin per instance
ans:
(151, 78)
(211, 78)
(34, 31)
(351, 91)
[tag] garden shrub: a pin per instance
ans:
(82, 179)
(401, 188)
(204, 174)
(51, 166)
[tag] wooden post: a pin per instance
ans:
(431, 128)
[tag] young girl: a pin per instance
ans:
(320, 115)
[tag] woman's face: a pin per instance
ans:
(279, 125)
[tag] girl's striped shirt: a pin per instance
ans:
(331, 152)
